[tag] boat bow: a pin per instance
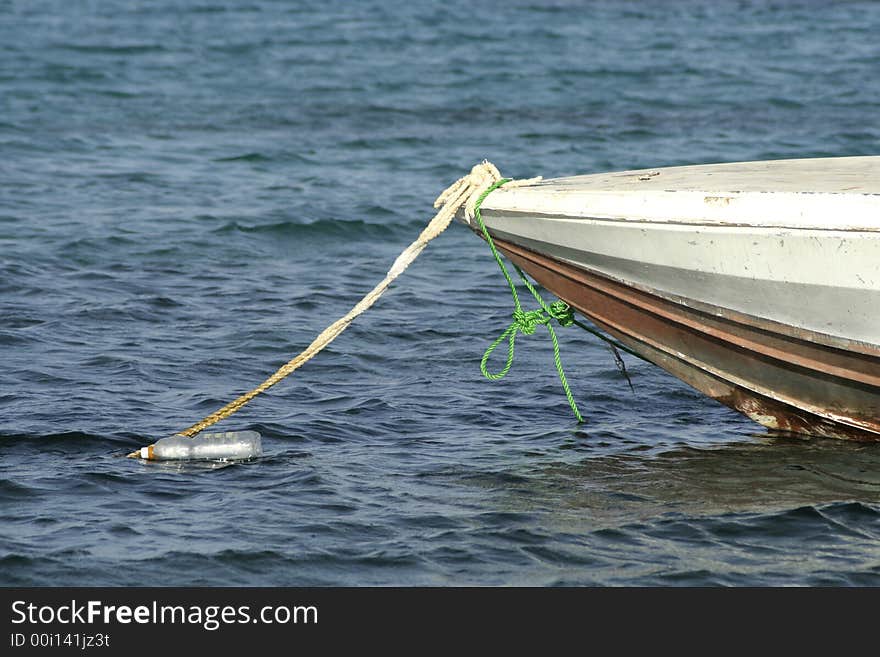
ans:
(757, 283)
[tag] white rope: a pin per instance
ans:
(464, 192)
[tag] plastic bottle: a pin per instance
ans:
(221, 446)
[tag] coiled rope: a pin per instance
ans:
(468, 192)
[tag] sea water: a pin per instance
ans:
(191, 191)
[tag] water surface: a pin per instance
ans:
(191, 191)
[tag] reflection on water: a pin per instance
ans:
(186, 466)
(769, 473)
(775, 510)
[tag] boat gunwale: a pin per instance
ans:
(488, 208)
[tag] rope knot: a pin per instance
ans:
(561, 312)
(524, 321)
(528, 321)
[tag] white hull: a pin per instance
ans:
(756, 283)
(806, 259)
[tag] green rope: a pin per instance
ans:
(526, 322)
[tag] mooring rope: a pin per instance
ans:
(468, 192)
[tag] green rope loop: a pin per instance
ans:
(525, 322)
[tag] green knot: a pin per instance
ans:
(525, 321)
(528, 321)
(561, 312)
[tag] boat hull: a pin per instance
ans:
(784, 377)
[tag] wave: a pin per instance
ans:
(63, 439)
(247, 157)
(337, 228)
(257, 157)
(103, 49)
(11, 491)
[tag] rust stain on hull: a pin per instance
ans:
(769, 373)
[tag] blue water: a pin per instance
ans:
(191, 190)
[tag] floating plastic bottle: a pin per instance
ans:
(221, 446)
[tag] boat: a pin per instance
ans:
(757, 283)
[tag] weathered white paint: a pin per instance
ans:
(822, 193)
(793, 241)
